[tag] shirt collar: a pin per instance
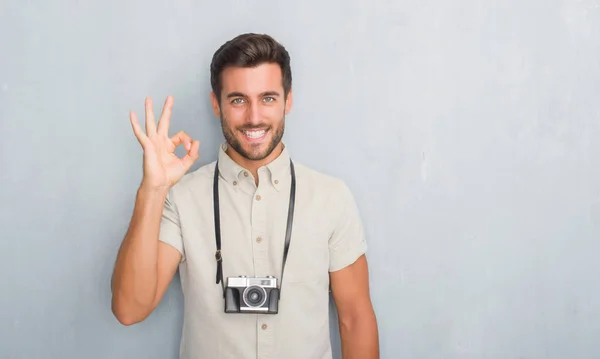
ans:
(278, 170)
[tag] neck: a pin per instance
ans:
(253, 165)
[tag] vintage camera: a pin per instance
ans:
(252, 295)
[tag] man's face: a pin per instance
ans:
(252, 109)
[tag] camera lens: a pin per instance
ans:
(254, 296)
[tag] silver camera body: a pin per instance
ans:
(252, 295)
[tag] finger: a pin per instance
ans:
(192, 155)
(165, 118)
(137, 129)
(182, 138)
(150, 124)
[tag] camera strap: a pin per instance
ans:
(288, 231)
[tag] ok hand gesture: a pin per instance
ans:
(162, 168)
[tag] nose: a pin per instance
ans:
(253, 114)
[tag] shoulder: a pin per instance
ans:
(323, 183)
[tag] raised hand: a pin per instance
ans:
(162, 168)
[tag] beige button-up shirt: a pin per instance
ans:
(327, 235)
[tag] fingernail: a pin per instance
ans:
(187, 146)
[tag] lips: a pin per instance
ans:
(254, 135)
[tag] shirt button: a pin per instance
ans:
(234, 183)
(258, 239)
(276, 181)
(258, 197)
(264, 327)
(245, 174)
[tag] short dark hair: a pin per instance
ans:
(250, 50)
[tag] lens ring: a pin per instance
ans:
(251, 291)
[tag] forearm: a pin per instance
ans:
(359, 337)
(135, 276)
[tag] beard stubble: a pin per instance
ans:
(255, 155)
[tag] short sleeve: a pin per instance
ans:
(347, 242)
(170, 227)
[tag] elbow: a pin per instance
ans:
(129, 307)
(127, 315)
(125, 319)
(358, 318)
(347, 321)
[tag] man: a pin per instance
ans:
(262, 204)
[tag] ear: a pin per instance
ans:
(288, 102)
(215, 104)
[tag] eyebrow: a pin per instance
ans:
(269, 93)
(266, 93)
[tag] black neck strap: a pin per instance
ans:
(288, 231)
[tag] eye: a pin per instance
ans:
(237, 101)
(269, 99)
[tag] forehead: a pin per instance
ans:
(252, 80)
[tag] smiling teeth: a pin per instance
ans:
(255, 134)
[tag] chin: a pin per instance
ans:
(258, 152)
(257, 155)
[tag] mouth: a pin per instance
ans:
(254, 135)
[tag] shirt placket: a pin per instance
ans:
(265, 339)
(265, 336)
(259, 245)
